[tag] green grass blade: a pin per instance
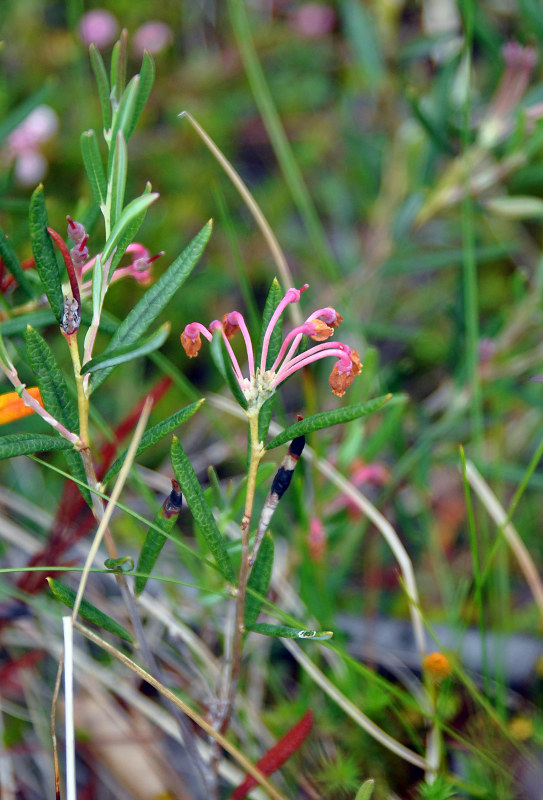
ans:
(7, 253)
(156, 298)
(127, 353)
(21, 444)
(155, 434)
(259, 580)
(88, 611)
(327, 418)
(102, 83)
(194, 495)
(44, 253)
(281, 146)
(284, 632)
(93, 166)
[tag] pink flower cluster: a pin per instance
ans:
(262, 382)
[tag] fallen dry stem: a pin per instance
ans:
(199, 720)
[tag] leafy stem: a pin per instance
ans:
(82, 399)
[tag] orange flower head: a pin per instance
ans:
(344, 372)
(437, 666)
(12, 406)
(191, 344)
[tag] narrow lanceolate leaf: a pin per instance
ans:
(264, 417)
(56, 397)
(128, 236)
(203, 516)
(278, 754)
(259, 580)
(92, 161)
(44, 254)
(142, 316)
(131, 212)
(366, 790)
(222, 363)
(88, 611)
(127, 353)
(327, 418)
(7, 253)
(102, 83)
(23, 444)
(272, 301)
(147, 78)
(155, 540)
(118, 178)
(12, 406)
(122, 117)
(154, 435)
(284, 632)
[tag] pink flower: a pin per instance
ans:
(98, 27)
(153, 36)
(313, 20)
(262, 382)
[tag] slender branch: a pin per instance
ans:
(82, 399)
(233, 664)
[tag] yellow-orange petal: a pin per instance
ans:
(355, 361)
(230, 328)
(12, 406)
(191, 346)
(437, 666)
(340, 381)
(337, 322)
(322, 330)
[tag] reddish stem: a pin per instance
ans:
(70, 269)
(278, 754)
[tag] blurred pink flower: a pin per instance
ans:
(98, 27)
(313, 20)
(30, 168)
(316, 540)
(153, 36)
(23, 145)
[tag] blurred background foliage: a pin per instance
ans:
(433, 259)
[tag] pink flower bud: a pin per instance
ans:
(76, 231)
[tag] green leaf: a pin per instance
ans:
(147, 78)
(118, 178)
(117, 564)
(284, 632)
(128, 236)
(56, 397)
(102, 83)
(222, 362)
(132, 210)
(88, 611)
(118, 64)
(155, 299)
(92, 161)
(7, 253)
(44, 253)
(22, 444)
(272, 301)
(194, 495)
(152, 546)
(259, 580)
(155, 434)
(122, 117)
(366, 790)
(127, 353)
(327, 418)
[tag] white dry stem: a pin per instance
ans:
(71, 792)
(271, 240)
(499, 515)
(343, 702)
(117, 489)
